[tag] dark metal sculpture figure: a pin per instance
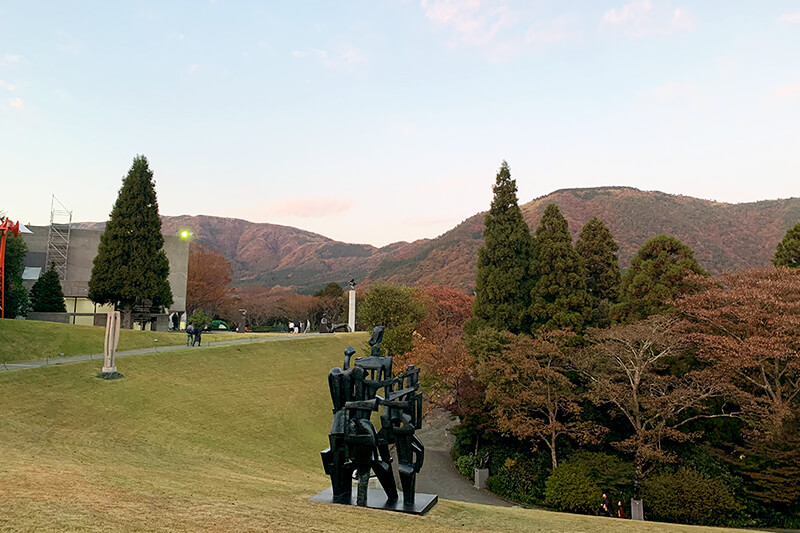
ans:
(355, 444)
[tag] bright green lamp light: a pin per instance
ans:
(185, 234)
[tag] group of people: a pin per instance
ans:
(193, 335)
(606, 509)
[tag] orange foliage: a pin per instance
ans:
(208, 283)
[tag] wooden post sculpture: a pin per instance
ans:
(110, 347)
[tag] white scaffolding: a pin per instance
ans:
(58, 237)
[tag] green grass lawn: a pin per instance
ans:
(31, 340)
(225, 438)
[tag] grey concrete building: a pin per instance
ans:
(82, 249)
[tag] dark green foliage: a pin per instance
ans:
(558, 299)
(46, 294)
(788, 251)
(612, 474)
(571, 488)
(200, 320)
(689, 497)
(396, 308)
(16, 297)
(131, 265)
(331, 290)
(502, 285)
(659, 272)
(598, 250)
(520, 477)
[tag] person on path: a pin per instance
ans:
(620, 510)
(198, 331)
(189, 334)
(606, 506)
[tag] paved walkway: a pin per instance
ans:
(154, 349)
(438, 474)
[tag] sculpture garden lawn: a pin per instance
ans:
(221, 439)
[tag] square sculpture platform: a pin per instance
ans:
(376, 499)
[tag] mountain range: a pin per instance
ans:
(724, 237)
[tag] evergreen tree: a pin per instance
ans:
(46, 293)
(788, 251)
(598, 250)
(502, 285)
(658, 273)
(16, 297)
(559, 299)
(131, 266)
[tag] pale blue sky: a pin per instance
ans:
(377, 121)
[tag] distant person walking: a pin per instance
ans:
(621, 510)
(198, 331)
(605, 507)
(189, 334)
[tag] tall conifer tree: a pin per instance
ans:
(658, 273)
(788, 251)
(598, 250)
(502, 286)
(46, 293)
(130, 266)
(559, 299)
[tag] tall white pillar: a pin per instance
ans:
(111, 342)
(351, 315)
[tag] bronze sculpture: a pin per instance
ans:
(356, 445)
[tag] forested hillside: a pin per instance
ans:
(724, 237)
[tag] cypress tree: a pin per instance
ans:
(16, 300)
(559, 299)
(46, 294)
(598, 250)
(658, 273)
(502, 285)
(130, 266)
(788, 251)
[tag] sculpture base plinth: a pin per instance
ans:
(376, 499)
(110, 375)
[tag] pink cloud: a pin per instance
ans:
(311, 207)
(8, 86)
(16, 102)
(787, 92)
(642, 18)
(790, 18)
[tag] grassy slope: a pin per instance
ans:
(31, 340)
(221, 439)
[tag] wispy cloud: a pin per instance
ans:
(312, 207)
(10, 59)
(346, 56)
(496, 28)
(17, 103)
(642, 18)
(7, 86)
(790, 18)
(787, 92)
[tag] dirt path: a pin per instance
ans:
(438, 475)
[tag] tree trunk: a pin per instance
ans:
(553, 457)
(126, 317)
(638, 475)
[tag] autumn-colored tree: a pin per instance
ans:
(530, 395)
(596, 246)
(559, 300)
(503, 283)
(447, 368)
(208, 285)
(267, 306)
(659, 272)
(788, 251)
(747, 325)
(330, 302)
(626, 366)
